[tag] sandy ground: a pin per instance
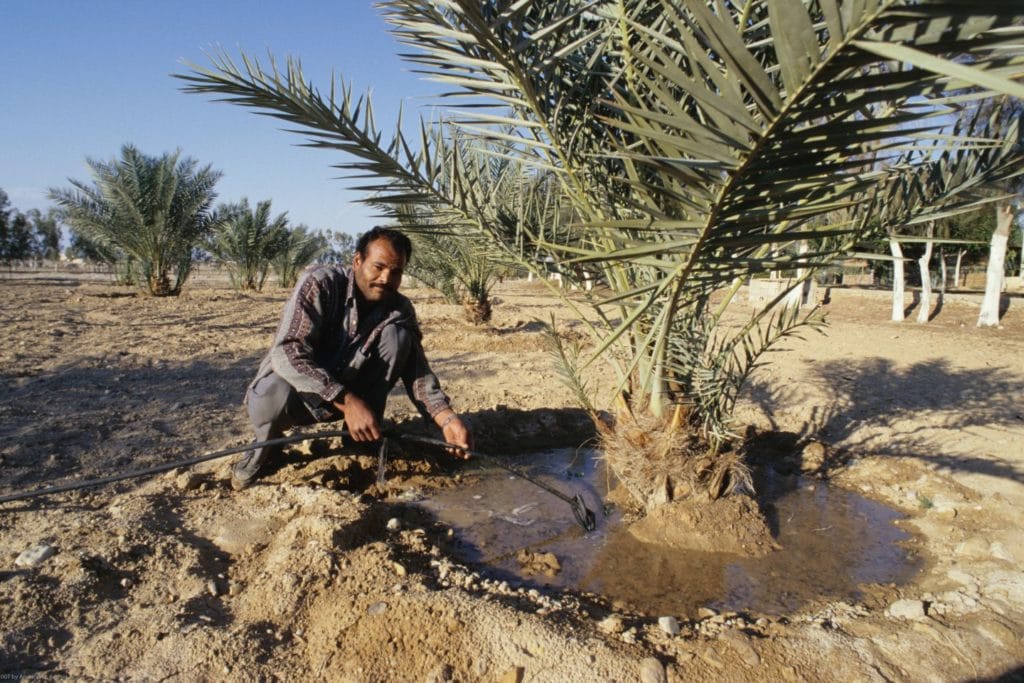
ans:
(316, 573)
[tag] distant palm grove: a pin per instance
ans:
(152, 217)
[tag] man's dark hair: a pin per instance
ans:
(398, 240)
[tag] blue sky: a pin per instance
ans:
(81, 78)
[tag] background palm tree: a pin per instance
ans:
(297, 248)
(151, 211)
(461, 267)
(246, 240)
(695, 144)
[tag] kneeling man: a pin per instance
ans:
(345, 339)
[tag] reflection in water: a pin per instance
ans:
(832, 540)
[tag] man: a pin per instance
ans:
(345, 339)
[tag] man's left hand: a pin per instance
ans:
(458, 435)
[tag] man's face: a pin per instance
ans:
(379, 275)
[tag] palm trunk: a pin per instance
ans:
(897, 280)
(989, 314)
(926, 279)
(956, 272)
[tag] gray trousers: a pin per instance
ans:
(275, 406)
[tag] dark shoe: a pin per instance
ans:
(246, 470)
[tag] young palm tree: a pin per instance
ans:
(151, 210)
(694, 143)
(246, 240)
(461, 267)
(297, 248)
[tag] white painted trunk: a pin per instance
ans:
(989, 314)
(897, 280)
(926, 281)
(956, 272)
(797, 297)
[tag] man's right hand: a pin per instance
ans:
(361, 422)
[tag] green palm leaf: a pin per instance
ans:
(691, 144)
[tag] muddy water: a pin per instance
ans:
(833, 542)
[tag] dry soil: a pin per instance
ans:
(319, 573)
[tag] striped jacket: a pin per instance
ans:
(320, 333)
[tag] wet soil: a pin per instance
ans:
(319, 573)
(829, 543)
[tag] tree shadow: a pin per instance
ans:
(209, 564)
(915, 300)
(101, 415)
(915, 411)
(1014, 674)
(940, 301)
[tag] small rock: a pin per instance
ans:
(35, 556)
(741, 644)
(442, 674)
(126, 582)
(377, 608)
(711, 657)
(212, 588)
(813, 456)
(907, 609)
(234, 588)
(669, 625)
(480, 668)
(998, 550)
(706, 613)
(188, 481)
(998, 633)
(394, 524)
(611, 624)
(962, 577)
(652, 671)
(399, 569)
(513, 675)
(973, 547)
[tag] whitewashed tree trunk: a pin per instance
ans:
(989, 315)
(956, 271)
(926, 278)
(897, 280)
(799, 295)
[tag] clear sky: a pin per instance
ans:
(80, 78)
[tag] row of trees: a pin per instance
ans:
(30, 236)
(152, 217)
(677, 147)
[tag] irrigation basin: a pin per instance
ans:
(833, 542)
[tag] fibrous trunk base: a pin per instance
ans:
(658, 460)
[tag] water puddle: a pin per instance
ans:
(833, 542)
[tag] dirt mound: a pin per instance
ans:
(733, 524)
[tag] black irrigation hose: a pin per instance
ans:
(583, 514)
(168, 466)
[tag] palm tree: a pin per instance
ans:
(297, 248)
(694, 143)
(150, 210)
(461, 267)
(246, 240)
